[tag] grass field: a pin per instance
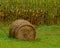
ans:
(46, 37)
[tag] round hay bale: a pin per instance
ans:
(22, 29)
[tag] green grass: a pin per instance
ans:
(46, 37)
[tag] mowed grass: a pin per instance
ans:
(46, 37)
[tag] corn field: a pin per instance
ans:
(38, 12)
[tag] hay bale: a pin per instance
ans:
(22, 29)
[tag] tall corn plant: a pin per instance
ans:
(35, 11)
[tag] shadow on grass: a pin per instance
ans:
(18, 40)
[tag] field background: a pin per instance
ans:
(46, 37)
(38, 12)
(44, 14)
